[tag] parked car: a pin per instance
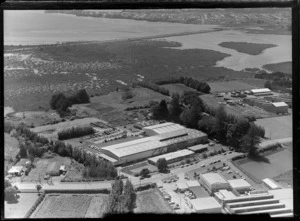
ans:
(47, 177)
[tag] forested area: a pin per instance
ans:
(75, 132)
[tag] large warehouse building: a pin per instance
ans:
(162, 128)
(206, 205)
(165, 142)
(261, 92)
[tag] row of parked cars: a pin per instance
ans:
(170, 180)
(168, 198)
(189, 194)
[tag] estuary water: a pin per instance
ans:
(37, 27)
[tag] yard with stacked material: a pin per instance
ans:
(247, 48)
(237, 110)
(277, 127)
(151, 201)
(226, 86)
(71, 206)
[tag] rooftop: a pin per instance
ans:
(198, 147)
(239, 183)
(260, 90)
(205, 203)
(280, 104)
(213, 178)
(172, 155)
(192, 183)
(271, 183)
(182, 185)
(227, 194)
(164, 128)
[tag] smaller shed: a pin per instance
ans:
(281, 107)
(239, 185)
(15, 170)
(182, 186)
(53, 169)
(271, 184)
(199, 148)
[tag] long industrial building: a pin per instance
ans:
(167, 140)
(173, 156)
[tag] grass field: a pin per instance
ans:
(150, 201)
(226, 86)
(285, 67)
(277, 127)
(279, 162)
(177, 88)
(19, 209)
(255, 82)
(247, 48)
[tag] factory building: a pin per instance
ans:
(165, 142)
(173, 156)
(214, 181)
(200, 148)
(261, 92)
(206, 205)
(277, 107)
(162, 128)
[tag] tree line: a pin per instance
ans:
(121, 198)
(61, 103)
(153, 87)
(200, 86)
(75, 132)
(189, 110)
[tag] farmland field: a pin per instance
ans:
(247, 48)
(279, 163)
(19, 209)
(70, 206)
(11, 149)
(284, 67)
(226, 86)
(177, 88)
(150, 201)
(277, 127)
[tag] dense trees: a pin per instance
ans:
(251, 140)
(6, 183)
(189, 82)
(75, 132)
(121, 199)
(127, 94)
(103, 170)
(10, 193)
(154, 87)
(144, 172)
(162, 165)
(220, 124)
(61, 103)
(276, 80)
(175, 108)
(160, 110)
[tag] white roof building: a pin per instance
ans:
(280, 104)
(261, 90)
(192, 183)
(271, 184)
(15, 169)
(225, 194)
(239, 185)
(206, 205)
(182, 186)
(162, 128)
(214, 181)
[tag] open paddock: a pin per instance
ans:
(177, 88)
(19, 209)
(279, 163)
(226, 86)
(71, 206)
(151, 201)
(277, 127)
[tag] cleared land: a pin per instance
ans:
(284, 67)
(97, 206)
(19, 209)
(150, 201)
(11, 149)
(226, 86)
(277, 127)
(279, 162)
(177, 88)
(66, 206)
(247, 48)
